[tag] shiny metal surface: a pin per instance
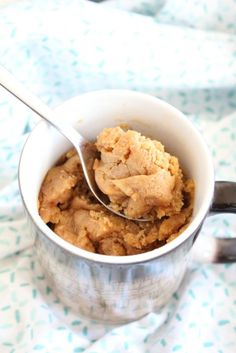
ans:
(224, 197)
(118, 289)
(110, 292)
(224, 202)
(216, 249)
(121, 293)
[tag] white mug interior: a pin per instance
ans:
(94, 111)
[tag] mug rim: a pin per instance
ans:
(128, 259)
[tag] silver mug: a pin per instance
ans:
(118, 289)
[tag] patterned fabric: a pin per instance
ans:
(60, 48)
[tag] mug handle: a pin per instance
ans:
(216, 249)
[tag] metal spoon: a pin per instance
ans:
(83, 147)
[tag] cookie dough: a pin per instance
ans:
(140, 179)
(137, 175)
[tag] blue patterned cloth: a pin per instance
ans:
(183, 52)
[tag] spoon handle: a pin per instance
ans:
(12, 85)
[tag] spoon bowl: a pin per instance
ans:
(84, 148)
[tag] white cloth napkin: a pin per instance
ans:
(183, 52)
